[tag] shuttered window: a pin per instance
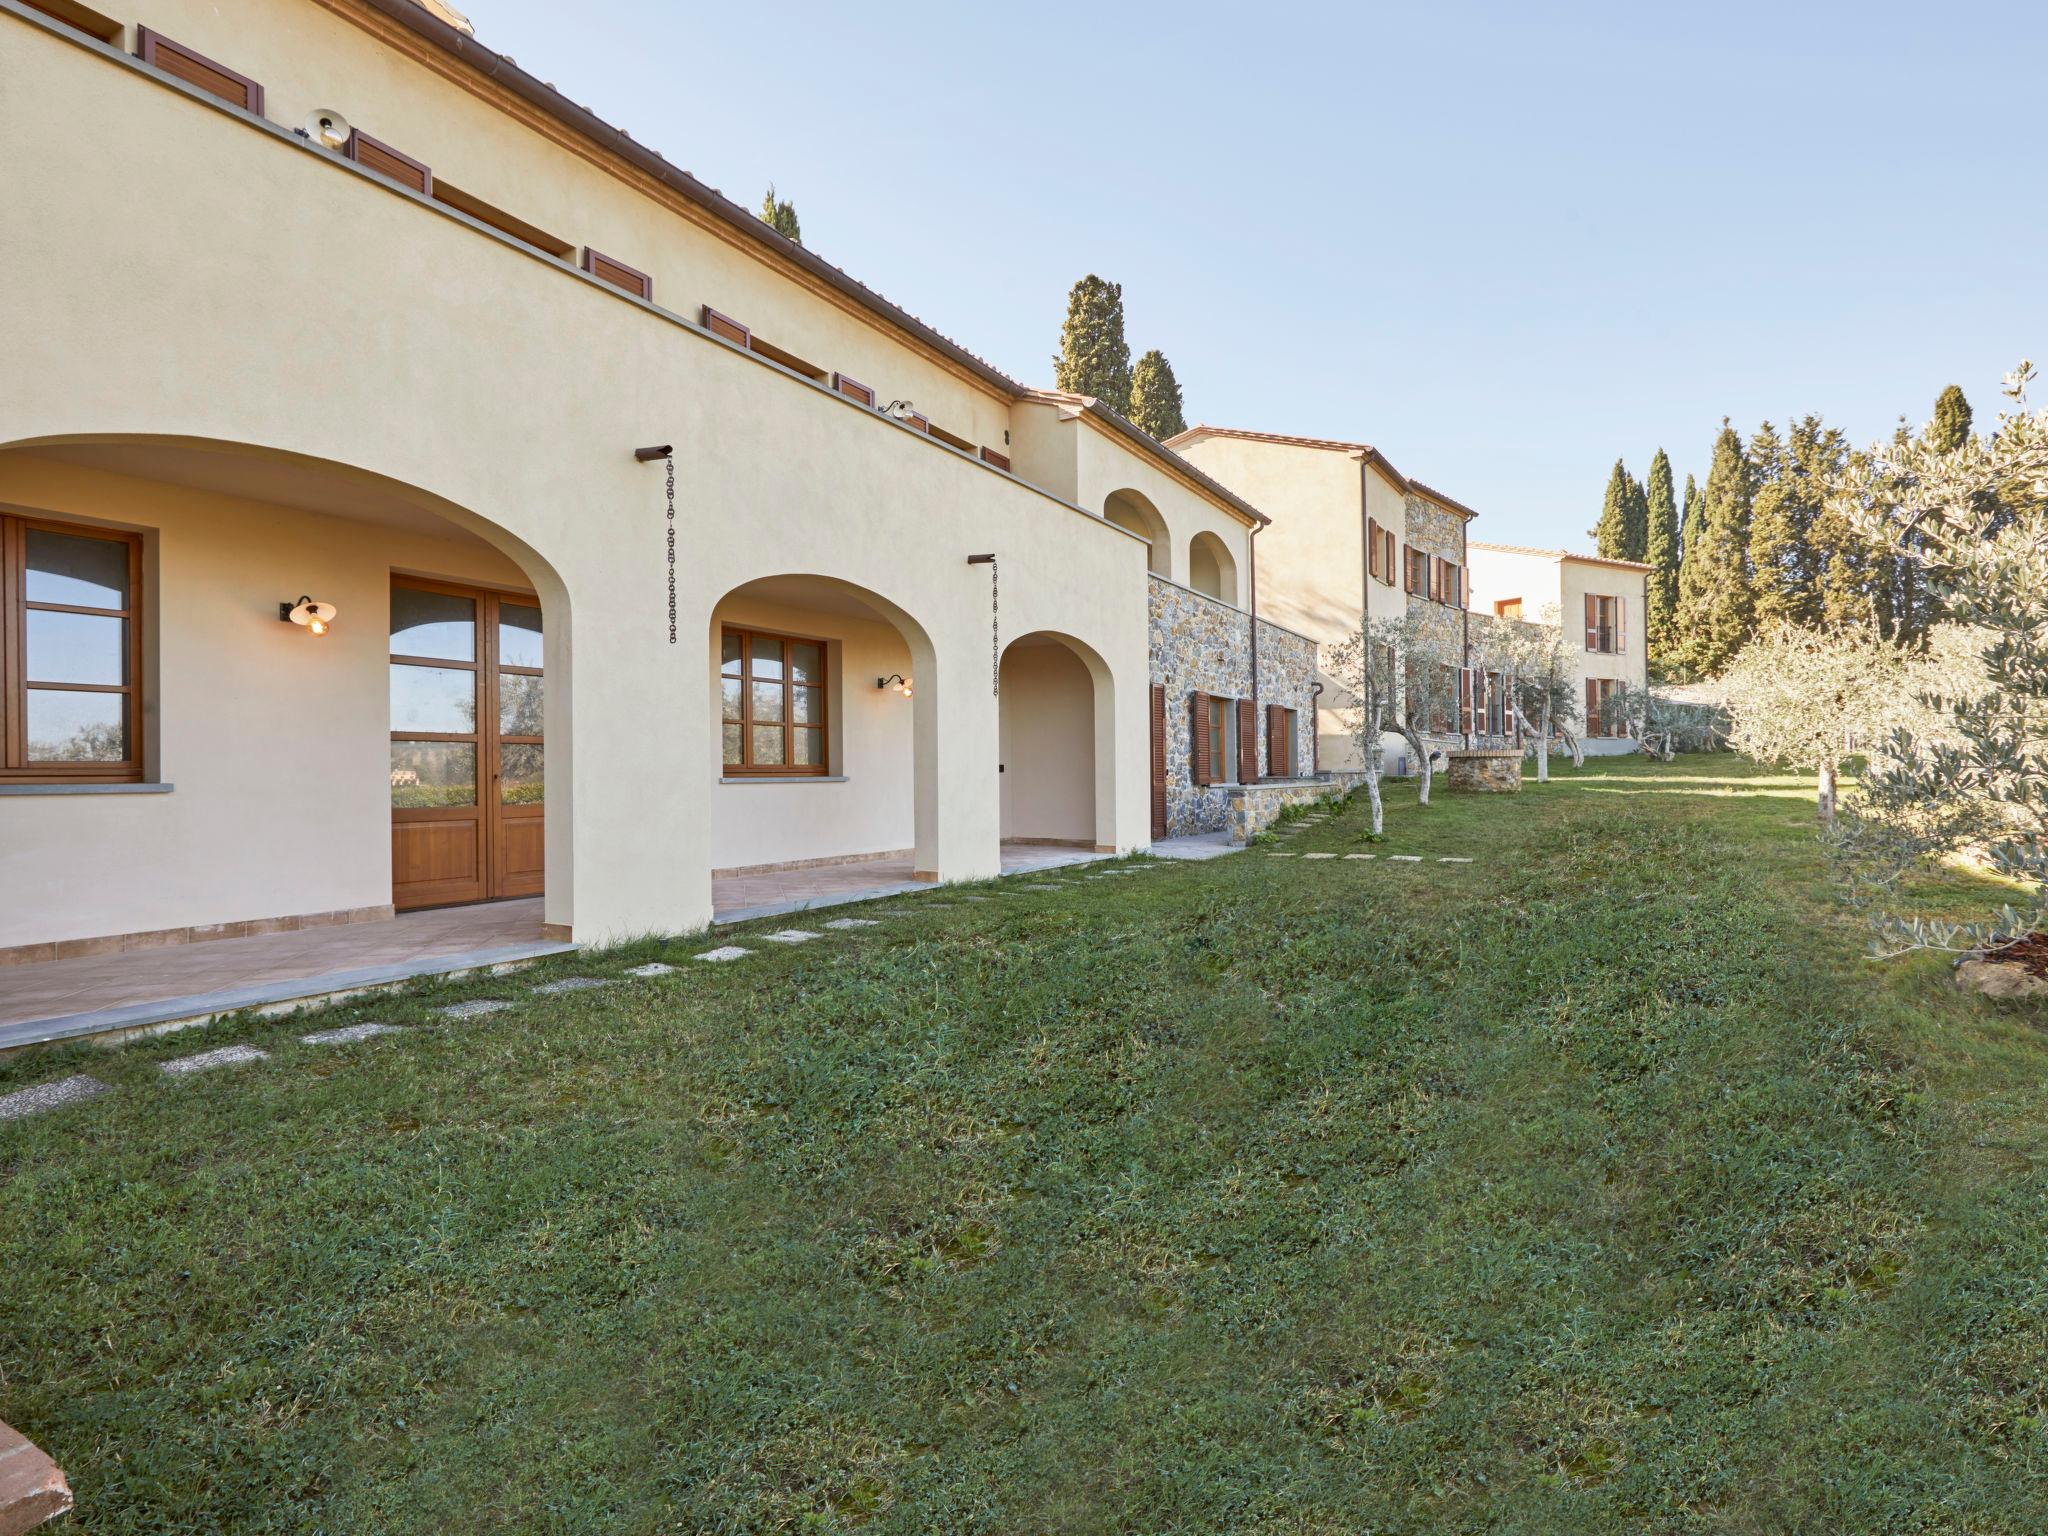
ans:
(70, 653)
(1200, 768)
(1387, 559)
(726, 326)
(196, 69)
(1279, 741)
(853, 389)
(990, 456)
(617, 273)
(1603, 624)
(1247, 742)
(376, 155)
(1372, 534)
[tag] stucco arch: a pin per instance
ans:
(1134, 512)
(1211, 570)
(1058, 728)
(863, 701)
(231, 528)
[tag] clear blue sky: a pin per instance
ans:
(1504, 242)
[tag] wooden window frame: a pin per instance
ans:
(1603, 624)
(15, 607)
(1501, 605)
(645, 284)
(151, 46)
(785, 769)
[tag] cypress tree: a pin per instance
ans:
(1155, 396)
(1610, 536)
(1780, 534)
(1952, 417)
(780, 216)
(1662, 553)
(1094, 358)
(1716, 607)
(1635, 540)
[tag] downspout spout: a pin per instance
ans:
(1251, 545)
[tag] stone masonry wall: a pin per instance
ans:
(1201, 644)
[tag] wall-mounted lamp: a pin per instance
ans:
(897, 681)
(314, 616)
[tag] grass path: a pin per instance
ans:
(1596, 1185)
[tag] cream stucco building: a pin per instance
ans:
(323, 300)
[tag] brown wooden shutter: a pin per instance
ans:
(853, 389)
(1592, 706)
(1464, 700)
(916, 423)
(1388, 535)
(1407, 568)
(1457, 575)
(1592, 622)
(990, 456)
(617, 273)
(1620, 625)
(1372, 533)
(726, 326)
(181, 63)
(83, 17)
(376, 155)
(1199, 766)
(1158, 760)
(1279, 743)
(1247, 742)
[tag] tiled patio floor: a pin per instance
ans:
(99, 992)
(137, 989)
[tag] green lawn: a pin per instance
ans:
(1597, 1185)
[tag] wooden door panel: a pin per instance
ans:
(519, 850)
(436, 862)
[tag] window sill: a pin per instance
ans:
(86, 789)
(787, 778)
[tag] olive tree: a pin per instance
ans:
(1545, 691)
(1973, 514)
(1366, 666)
(1402, 674)
(1810, 697)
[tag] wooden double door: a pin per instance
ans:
(466, 745)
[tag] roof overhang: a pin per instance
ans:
(1103, 418)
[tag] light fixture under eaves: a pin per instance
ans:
(315, 617)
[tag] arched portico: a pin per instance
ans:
(290, 777)
(1211, 570)
(825, 702)
(1134, 512)
(1058, 730)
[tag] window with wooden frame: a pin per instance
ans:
(1507, 608)
(196, 69)
(376, 155)
(70, 653)
(1601, 718)
(772, 704)
(1605, 625)
(1415, 572)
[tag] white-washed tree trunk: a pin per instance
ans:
(1543, 748)
(1372, 769)
(1414, 739)
(1826, 807)
(1576, 748)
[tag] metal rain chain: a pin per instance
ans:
(995, 645)
(667, 452)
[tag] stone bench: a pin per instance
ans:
(1484, 770)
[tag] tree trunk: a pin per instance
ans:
(1414, 740)
(1827, 793)
(1372, 774)
(1543, 749)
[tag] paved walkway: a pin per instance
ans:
(740, 898)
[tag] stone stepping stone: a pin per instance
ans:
(855, 922)
(349, 1034)
(1405, 858)
(567, 984)
(792, 936)
(33, 1101)
(651, 968)
(1042, 885)
(206, 1061)
(1281, 855)
(1361, 855)
(1319, 855)
(1453, 861)
(723, 952)
(990, 898)
(476, 1009)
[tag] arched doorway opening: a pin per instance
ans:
(824, 699)
(399, 759)
(1057, 723)
(1134, 513)
(1211, 570)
